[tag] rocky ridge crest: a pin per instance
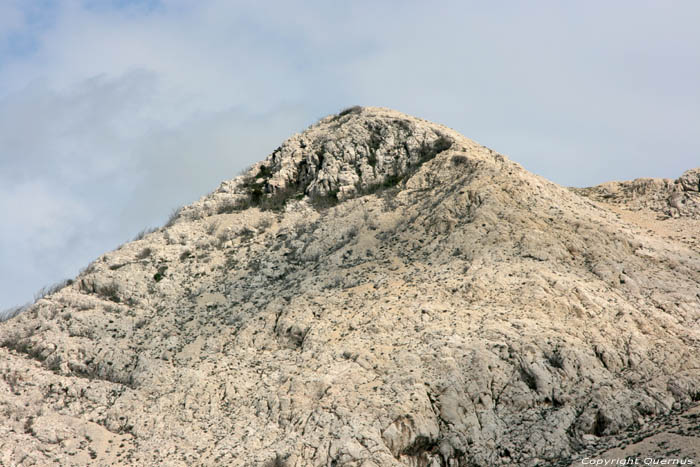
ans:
(672, 198)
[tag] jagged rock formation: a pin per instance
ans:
(379, 291)
(673, 198)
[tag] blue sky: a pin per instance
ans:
(112, 113)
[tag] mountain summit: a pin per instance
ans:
(378, 291)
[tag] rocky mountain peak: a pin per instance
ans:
(355, 152)
(379, 291)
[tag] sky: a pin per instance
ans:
(115, 112)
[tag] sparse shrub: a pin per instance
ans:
(325, 202)
(261, 195)
(278, 461)
(111, 309)
(246, 233)
(11, 312)
(391, 180)
(355, 109)
(429, 151)
(223, 237)
(333, 283)
(352, 232)
(254, 265)
(264, 172)
(231, 206)
(443, 143)
(174, 216)
(231, 262)
(264, 224)
(19, 340)
(89, 269)
(273, 201)
(46, 291)
(405, 125)
(169, 239)
(460, 160)
(528, 378)
(303, 227)
(145, 253)
(375, 141)
(556, 359)
(13, 378)
(158, 276)
(185, 254)
(110, 291)
(372, 159)
(143, 233)
(389, 203)
(195, 215)
(212, 228)
(347, 237)
(245, 170)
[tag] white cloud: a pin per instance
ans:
(112, 115)
(85, 169)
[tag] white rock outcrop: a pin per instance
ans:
(379, 291)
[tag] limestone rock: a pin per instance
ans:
(673, 198)
(379, 291)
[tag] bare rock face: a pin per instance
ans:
(379, 291)
(673, 198)
(344, 155)
(690, 180)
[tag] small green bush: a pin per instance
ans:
(158, 276)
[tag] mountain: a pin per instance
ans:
(378, 291)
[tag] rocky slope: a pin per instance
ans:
(379, 291)
(670, 198)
